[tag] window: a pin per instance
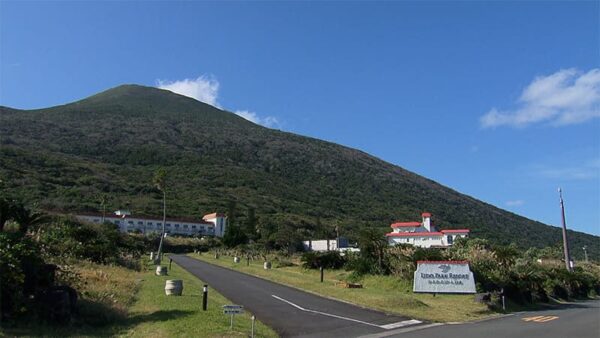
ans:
(193, 227)
(185, 226)
(140, 223)
(168, 225)
(130, 222)
(96, 220)
(177, 225)
(150, 223)
(158, 224)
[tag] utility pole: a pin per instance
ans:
(585, 253)
(564, 233)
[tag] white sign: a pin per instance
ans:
(233, 309)
(443, 277)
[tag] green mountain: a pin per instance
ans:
(64, 157)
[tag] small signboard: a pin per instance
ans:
(443, 277)
(233, 309)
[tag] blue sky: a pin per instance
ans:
(499, 100)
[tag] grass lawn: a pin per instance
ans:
(385, 293)
(156, 315)
(115, 301)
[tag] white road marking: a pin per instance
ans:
(400, 324)
(386, 327)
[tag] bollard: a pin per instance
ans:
(204, 297)
(170, 261)
(253, 319)
(248, 261)
(321, 268)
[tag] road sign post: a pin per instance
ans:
(232, 310)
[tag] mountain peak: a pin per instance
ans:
(134, 91)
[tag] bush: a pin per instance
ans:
(327, 260)
(99, 243)
(20, 262)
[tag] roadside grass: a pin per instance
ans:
(384, 293)
(116, 301)
(104, 295)
(157, 315)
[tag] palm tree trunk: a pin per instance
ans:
(162, 235)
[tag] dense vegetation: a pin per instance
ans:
(528, 276)
(64, 158)
(42, 256)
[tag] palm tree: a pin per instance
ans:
(27, 218)
(160, 183)
(103, 205)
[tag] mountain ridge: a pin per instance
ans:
(64, 156)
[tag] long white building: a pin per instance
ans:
(423, 234)
(210, 225)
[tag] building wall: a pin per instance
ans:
(424, 242)
(220, 223)
(148, 226)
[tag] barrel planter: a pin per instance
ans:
(161, 270)
(236, 259)
(174, 287)
(267, 265)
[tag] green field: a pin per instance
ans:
(385, 293)
(162, 316)
(147, 312)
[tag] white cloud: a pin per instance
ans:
(565, 97)
(203, 88)
(269, 121)
(515, 203)
(206, 89)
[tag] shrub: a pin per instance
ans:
(20, 260)
(327, 260)
(99, 243)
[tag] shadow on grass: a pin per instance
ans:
(92, 319)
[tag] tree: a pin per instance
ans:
(234, 236)
(372, 246)
(103, 200)
(160, 183)
(250, 225)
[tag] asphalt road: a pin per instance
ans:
(291, 312)
(576, 320)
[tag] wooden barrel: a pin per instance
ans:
(267, 265)
(174, 287)
(236, 259)
(161, 270)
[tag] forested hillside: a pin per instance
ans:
(64, 158)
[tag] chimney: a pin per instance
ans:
(426, 221)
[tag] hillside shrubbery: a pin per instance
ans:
(37, 253)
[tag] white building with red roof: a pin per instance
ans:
(423, 234)
(210, 225)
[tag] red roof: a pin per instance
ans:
(405, 224)
(414, 234)
(452, 231)
(425, 214)
(444, 262)
(213, 215)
